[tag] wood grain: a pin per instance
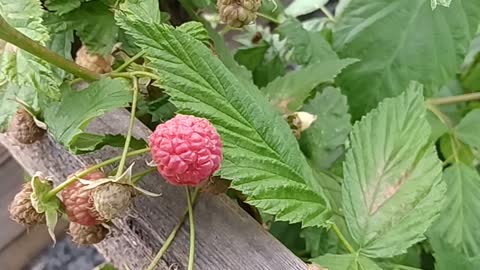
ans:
(227, 237)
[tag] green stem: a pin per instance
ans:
(267, 17)
(134, 73)
(75, 177)
(327, 13)
(191, 256)
(172, 235)
(454, 99)
(13, 36)
(130, 128)
(138, 176)
(129, 61)
(342, 238)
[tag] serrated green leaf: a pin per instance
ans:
(43, 204)
(458, 222)
(448, 257)
(261, 155)
(251, 57)
(18, 66)
(196, 30)
(345, 262)
(308, 47)
(142, 10)
(399, 41)
(468, 130)
(302, 7)
(323, 142)
(291, 90)
(67, 118)
(87, 142)
(63, 6)
(95, 25)
(392, 189)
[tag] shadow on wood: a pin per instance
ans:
(227, 238)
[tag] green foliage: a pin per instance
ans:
(67, 118)
(43, 204)
(290, 91)
(345, 262)
(86, 142)
(458, 222)
(468, 130)
(261, 155)
(323, 142)
(447, 257)
(392, 189)
(308, 46)
(8, 105)
(399, 41)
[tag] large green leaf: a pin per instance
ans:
(67, 118)
(447, 257)
(392, 189)
(19, 66)
(144, 10)
(323, 142)
(308, 46)
(291, 90)
(345, 262)
(458, 222)
(261, 155)
(398, 41)
(468, 130)
(63, 6)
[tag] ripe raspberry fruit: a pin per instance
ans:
(21, 209)
(238, 13)
(24, 129)
(112, 199)
(93, 62)
(186, 149)
(87, 235)
(79, 204)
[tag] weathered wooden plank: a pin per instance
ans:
(227, 238)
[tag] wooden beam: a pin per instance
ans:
(227, 237)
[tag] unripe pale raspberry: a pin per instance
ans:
(78, 202)
(21, 209)
(24, 129)
(111, 199)
(186, 149)
(93, 62)
(87, 235)
(238, 13)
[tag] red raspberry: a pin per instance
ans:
(186, 149)
(78, 202)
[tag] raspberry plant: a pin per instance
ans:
(354, 133)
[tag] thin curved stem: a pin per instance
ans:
(131, 60)
(342, 238)
(454, 99)
(134, 73)
(75, 177)
(191, 254)
(136, 177)
(327, 13)
(172, 235)
(131, 123)
(269, 18)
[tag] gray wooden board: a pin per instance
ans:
(227, 237)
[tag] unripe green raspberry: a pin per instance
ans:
(237, 13)
(112, 199)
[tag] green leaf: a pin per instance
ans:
(251, 57)
(67, 118)
(86, 142)
(399, 41)
(288, 235)
(141, 10)
(95, 25)
(345, 262)
(447, 257)
(392, 189)
(308, 47)
(468, 130)
(458, 222)
(18, 66)
(196, 30)
(435, 3)
(268, 71)
(323, 142)
(8, 105)
(453, 150)
(261, 155)
(63, 6)
(43, 204)
(302, 7)
(292, 90)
